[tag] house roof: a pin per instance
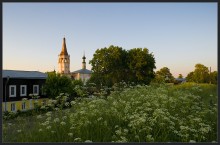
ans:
(23, 74)
(180, 79)
(83, 71)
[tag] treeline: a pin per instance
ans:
(114, 64)
(201, 74)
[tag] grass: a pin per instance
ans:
(155, 113)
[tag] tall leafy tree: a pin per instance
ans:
(180, 76)
(164, 75)
(141, 64)
(214, 77)
(56, 84)
(199, 75)
(108, 65)
(189, 77)
(114, 64)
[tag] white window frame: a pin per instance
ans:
(25, 89)
(37, 89)
(23, 106)
(12, 86)
(14, 107)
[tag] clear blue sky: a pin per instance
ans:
(179, 34)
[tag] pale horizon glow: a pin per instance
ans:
(179, 35)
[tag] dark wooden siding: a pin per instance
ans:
(18, 83)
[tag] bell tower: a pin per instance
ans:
(64, 60)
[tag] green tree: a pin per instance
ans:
(189, 77)
(141, 64)
(164, 75)
(180, 76)
(56, 84)
(199, 75)
(108, 65)
(214, 77)
(114, 64)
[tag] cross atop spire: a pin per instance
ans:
(64, 49)
(84, 56)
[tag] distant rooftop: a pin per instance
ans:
(83, 71)
(180, 79)
(23, 74)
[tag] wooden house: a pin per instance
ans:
(17, 87)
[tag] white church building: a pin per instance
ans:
(64, 65)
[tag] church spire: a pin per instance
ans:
(64, 49)
(64, 60)
(84, 62)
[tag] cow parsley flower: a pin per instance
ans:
(63, 123)
(48, 127)
(70, 134)
(56, 120)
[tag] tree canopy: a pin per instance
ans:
(199, 75)
(164, 75)
(114, 64)
(56, 84)
(180, 76)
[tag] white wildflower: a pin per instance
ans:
(52, 131)
(77, 139)
(67, 104)
(64, 117)
(63, 123)
(192, 141)
(42, 107)
(24, 99)
(49, 113)
(39, 116)
(49, 118)
(72, 102)
(56, 120)
(57, 109)
(48, 127)
(70, 134)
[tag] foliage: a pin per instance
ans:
(147, 113)
(107, 64)
(164, 75)
(141, 64)
(114, 64)
(200, 75)
(189, 77)
(214, 77)
(56, 84)
(180, 76)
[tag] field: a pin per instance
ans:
(148, 113)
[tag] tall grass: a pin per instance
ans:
(155, 113)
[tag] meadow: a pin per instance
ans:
(140, 113)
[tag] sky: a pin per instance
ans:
(179, 35)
